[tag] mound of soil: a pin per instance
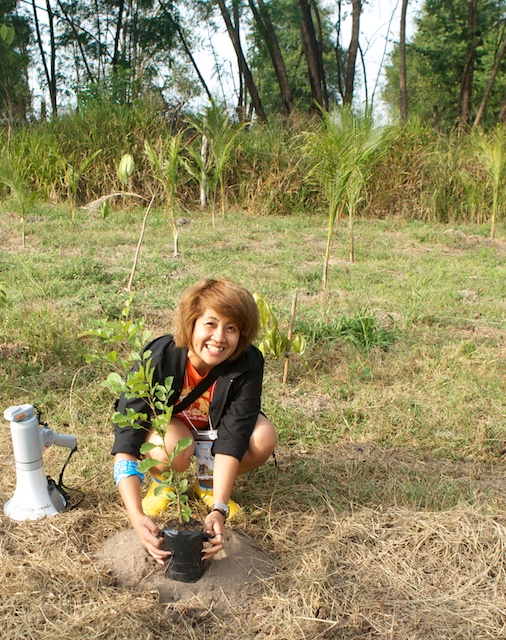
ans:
(232, 580)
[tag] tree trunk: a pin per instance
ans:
(338, 51)
(319, 49)
(241, 94)
(194, 64)
(51, 83)
(52, 48)
(466, 83)
(310, 47)
(243, 65)
(403, 95)
(488, 90)
(266, 28)
(352, 52)
(72, 25)
(119, 25)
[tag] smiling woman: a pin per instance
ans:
(210, 358)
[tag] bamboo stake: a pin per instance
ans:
(290, 333)
(129, 288)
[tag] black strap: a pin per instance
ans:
(202, 386)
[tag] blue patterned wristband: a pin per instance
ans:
(125, 468)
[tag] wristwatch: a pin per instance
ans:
(222, 508)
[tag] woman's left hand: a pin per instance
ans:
(214, 526)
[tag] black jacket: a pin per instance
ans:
(234, 408)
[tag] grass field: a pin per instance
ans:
(385, 515)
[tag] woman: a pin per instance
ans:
(215, 323)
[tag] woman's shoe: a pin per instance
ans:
(207, 497)
(154, 505)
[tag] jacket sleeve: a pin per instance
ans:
(241, 410)
(127, 439)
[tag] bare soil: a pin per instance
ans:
(229, 583)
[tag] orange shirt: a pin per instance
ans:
(197, 414)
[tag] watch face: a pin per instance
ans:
(222, 507)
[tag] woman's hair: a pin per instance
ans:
(223, 296)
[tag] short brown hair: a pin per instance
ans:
(227, 298)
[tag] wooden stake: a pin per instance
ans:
(290, 333)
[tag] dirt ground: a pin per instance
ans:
(230, 580)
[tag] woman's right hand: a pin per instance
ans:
(148, 532)
(146, 529)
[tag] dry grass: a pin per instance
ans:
(350, 573)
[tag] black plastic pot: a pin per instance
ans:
(185, 564)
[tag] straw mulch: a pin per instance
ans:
(348, 574)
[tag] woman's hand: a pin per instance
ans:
(148, 532)
(214, 526)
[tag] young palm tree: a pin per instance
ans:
(342, 152)
(491, 154)
(14, 175)
(73, 174)
(167, 171)
(221, 134)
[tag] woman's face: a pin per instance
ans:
(214, 340)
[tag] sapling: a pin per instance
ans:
(139, 384)
(72, 177)
(15, 176)
(274, 341)
(167, 171)
(133, 376)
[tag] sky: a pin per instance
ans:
(380, 22)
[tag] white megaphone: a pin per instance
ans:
(34, 497)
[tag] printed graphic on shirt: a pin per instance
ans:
(197, 414)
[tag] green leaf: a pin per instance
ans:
(147, 446)
(147, 464)
(126, 168)
(7, 33)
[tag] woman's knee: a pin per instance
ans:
(264, 435)
(261, 445)
(165, 447)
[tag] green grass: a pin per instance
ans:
(393, 420)
(405, 344)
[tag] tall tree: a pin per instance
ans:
(312, 54)
(14, 60)
(286, 19)
(241, 60)
(403, 95)
(466, 82)
(266, 28)
(349, 82)
(449, 62)
(493, 75)
(49, 70)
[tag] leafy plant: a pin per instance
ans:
(125, 169)
(74, 171)
(133, 376)
(274, 341)
(362, 330)
(139, 384)
(129, 337)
